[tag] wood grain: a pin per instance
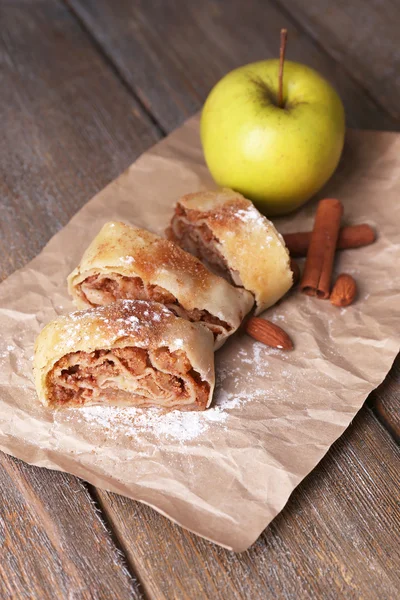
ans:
(172, 53)
(385, 400)
(338, 537)
(170, 56)
(53, 543)
(363, 37)
(68, 127)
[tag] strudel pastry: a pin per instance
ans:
(226, 231)
(131, 352)
(125, 262)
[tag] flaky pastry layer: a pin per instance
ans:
(228, 232)
(125, 262)
(135, 353)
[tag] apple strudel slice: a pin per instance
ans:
(132, 353)
(125, 262)
(226, 231)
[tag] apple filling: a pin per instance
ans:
(127, 375)
(100, 290)
(199, 240)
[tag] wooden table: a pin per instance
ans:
(87, 86)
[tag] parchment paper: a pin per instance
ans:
(226, 473)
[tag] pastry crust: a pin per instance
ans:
(128, 262)
(227, 231)
(135, 353)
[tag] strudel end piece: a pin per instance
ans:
(226, 230)
(132, 353)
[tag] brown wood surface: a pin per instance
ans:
(53, 541)
(86, 86)
(336, 538)
(363, 37)
(68, 128)
(170, 54)
(385, 401)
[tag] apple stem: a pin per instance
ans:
(281, 62)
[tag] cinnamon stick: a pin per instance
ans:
(316, 280)
(353, 236)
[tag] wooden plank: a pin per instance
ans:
(385, 400)
(82, 158)
(363, 36)
(338, 537)
(68, 127)
(172, 53)
(53, 542)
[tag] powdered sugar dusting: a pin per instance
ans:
(181, 426)
(6, 352)
(118, 422)
(250, 214)
(131, 422)
(256, 220)
(126, 260)
(110, 323)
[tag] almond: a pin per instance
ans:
(268, 333)
(344, 291)
(295, 270)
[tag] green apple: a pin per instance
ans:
(277, 157)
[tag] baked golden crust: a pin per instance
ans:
(137, 264)
(116, 333)
(226, 229)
